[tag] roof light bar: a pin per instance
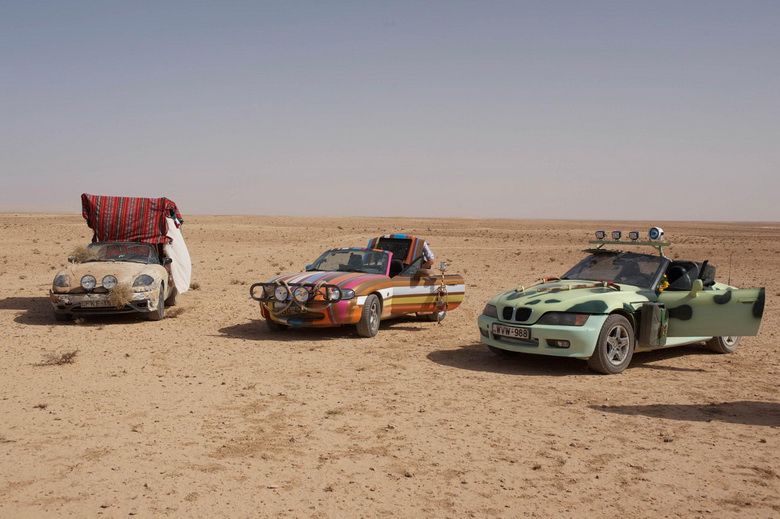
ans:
(656, 239)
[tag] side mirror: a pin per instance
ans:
(71, 259)
(167, 261)
(698, 286)
(308, 267)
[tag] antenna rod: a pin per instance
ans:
(731, 256)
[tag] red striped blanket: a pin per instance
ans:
(124, 218)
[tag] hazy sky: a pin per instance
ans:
(652, 110)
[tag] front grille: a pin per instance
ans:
(305, 316)
(520, 315)
(102, 310)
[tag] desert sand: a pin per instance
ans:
(208, 414)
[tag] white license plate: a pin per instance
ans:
(291, 310)
(512, 332)
(95, 304)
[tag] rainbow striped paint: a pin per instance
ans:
(403, 292)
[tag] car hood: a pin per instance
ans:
(352, 280)
(571, 296)
(125, 271)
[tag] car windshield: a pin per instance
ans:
(122, 251)
(619, 267)
(352, 260)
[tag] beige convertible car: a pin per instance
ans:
(111, 278)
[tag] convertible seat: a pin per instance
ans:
(680, 278)
(355, 261)
(396, 266)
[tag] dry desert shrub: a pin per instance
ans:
(54, 359)
(120, 295)
(81, 254)
(194, 285)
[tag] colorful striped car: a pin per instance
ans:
(360, 286)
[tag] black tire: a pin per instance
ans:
(158, 314)
(172, 299)
(615, 346)
(502, 353)
(725, 344)
(273, 326)
(62, 316)
(368, 325)
(436, 317)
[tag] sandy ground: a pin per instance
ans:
(207, 414)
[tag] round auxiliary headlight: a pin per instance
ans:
(334, 293)
(300, 294)
(281, 293)
(88, 282)
(656, 233)
(109, 282)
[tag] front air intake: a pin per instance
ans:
(523, 314)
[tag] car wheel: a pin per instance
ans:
(615, 346)
(62, 316)
(369, 320)
(172, 299)
(158, 314)
(274, 326)
(502, 353)
(725, 344)
(436, 316)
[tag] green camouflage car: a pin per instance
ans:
(615, 302)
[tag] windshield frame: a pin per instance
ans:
(134, 252)
(372, 261)
(610, 265)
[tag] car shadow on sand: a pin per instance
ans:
(477, 357)
(739, 412)
(654, 359)
(36, 311)
(256, 330)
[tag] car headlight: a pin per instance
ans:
(564, 319)
(490, 311)
(347, 293)
(109, 281)
(144, 280)
(62, 280)
(88, 282)
(334, 293)
(300, 294)
(281, 293)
